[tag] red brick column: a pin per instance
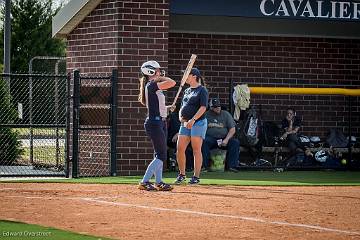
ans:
(121, 34)
(143, 35)
(93, 45)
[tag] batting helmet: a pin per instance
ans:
(149, 68)
(321, 156)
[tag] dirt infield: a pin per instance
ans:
(189, 212)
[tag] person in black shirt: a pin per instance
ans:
(193, 125)
(291, 125)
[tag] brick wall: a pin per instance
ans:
(143, 32)
(278, 61)
(122, 35)
(92, 47)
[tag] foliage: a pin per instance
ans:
(7, 111)
(31, 35)
(9, 145)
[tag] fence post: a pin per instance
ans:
(75, 139)
(349, 133)
(67, 126)
(31, 115)
(113, 122)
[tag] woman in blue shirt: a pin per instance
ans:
(193, 125)
(151, 95)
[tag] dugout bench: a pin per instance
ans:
(273, 155)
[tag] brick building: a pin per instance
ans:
(261, 43)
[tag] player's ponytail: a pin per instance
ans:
(141, 98)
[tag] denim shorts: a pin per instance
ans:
(198, 129)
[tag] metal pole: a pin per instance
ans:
(7, 37)
(7, 43)
(67, 131)
(113, 122)
(30, 113)
(75, 139)
(349, 133)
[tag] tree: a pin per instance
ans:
(9, 145)
(31, 35)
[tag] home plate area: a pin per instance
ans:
(122, 211)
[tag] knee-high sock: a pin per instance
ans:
(150, 171)
(159, 171)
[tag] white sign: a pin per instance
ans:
(20, 110)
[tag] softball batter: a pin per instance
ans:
(152, 96)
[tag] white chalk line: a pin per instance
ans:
(252, 219)
(224, 216)
(42, 189)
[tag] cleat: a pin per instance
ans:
(194, 180)
(180, 179)
(164, 186)
(147, 186)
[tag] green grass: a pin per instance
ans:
(41, 154)
(40, 131)
(243, 178)
(44, 154)
(16, 230)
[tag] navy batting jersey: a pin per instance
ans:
(155, 100)
(193, 99)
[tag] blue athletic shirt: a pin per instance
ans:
(155, 101)
(193, 99)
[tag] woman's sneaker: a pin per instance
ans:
(180, 179)
(148, 186)
(164, 186)
(194, 180)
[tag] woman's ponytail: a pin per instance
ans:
(141, 97)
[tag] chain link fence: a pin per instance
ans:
(94, 125)
(33, 118)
